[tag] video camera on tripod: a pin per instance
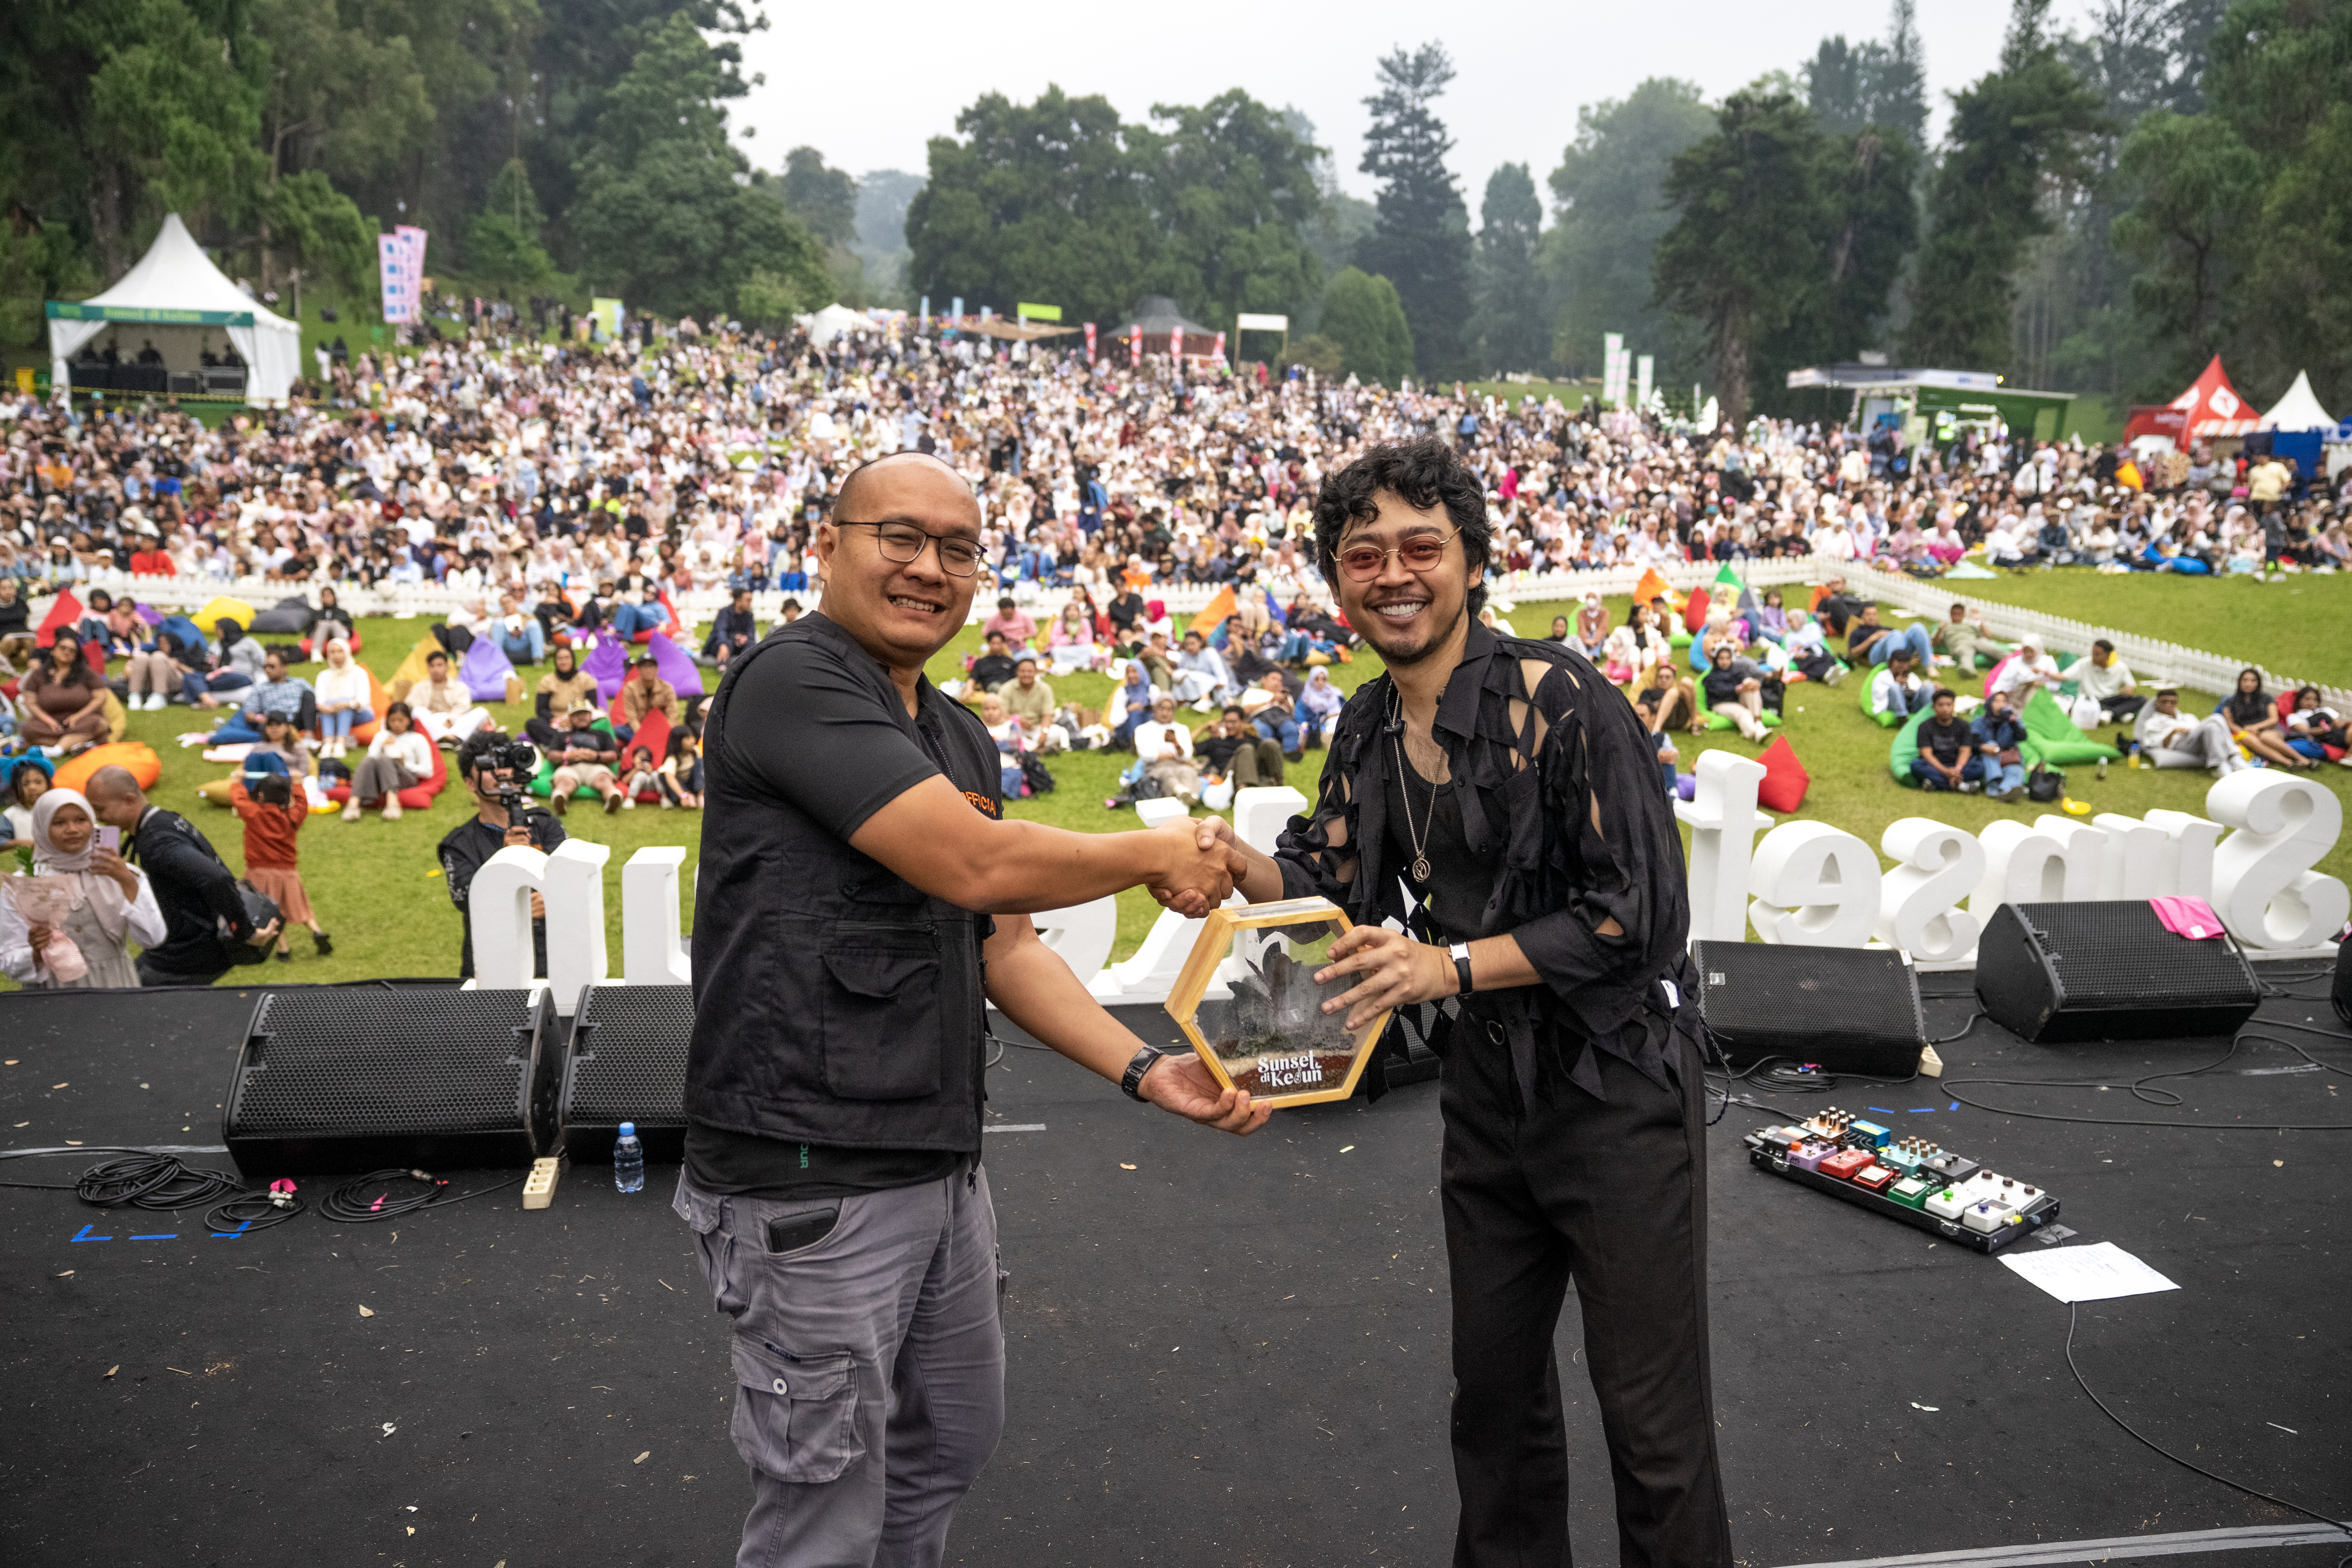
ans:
(510, 762)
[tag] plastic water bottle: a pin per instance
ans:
(629, 1161)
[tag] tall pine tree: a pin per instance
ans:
(1509, 328)
(1420, 241)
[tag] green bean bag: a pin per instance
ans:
(1716, 721)
(1887, 720)
(1905, 750)
(2050, 738)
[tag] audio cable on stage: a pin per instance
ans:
(2083, 1384)
(350, 1203)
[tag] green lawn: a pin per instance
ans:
(376, 885)
(2294, 626)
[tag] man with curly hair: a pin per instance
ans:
(1516, 793)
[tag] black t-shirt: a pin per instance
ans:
(1950, 741)
(1460, 881)
(843, 761)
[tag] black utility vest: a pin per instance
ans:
(834, 1002)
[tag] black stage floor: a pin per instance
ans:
(1229, 1353)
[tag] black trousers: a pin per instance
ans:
(1612, 1193)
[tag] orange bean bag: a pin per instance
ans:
(378, 700)
(137, 755)
(416, 797)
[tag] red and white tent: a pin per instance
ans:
(2213, 407)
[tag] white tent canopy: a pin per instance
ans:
(2299, 409)
(831, 321)
(177, 293)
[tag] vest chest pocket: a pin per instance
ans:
(881, 1022)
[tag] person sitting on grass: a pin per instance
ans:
(994, 669)
(586, 759)
(63, 700)
(2031, 668)
(1898, 691)
(1869, 642)
(1738, 698)
(2000, 741)
(2107, 681)
(443, 706)
(1163, 750)
(1319, 702)
(1028, 697)
(344, 695)
(1275, 711)
(2255, 723)
(563, 688)
(1963, 637)
(273, 811)
(2311, 726)
(280, 691)
(645, 693)
(399, 758)
(1665, 698)
(1233, 749)
(2168, 738)
(682, 771)
(1950, 756)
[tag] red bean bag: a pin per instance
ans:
(140, 758)
(309, 653)
(416, 797)
(654, 736)
(1695, 611)
(1785, 780)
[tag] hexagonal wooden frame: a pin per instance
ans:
(1200, 971)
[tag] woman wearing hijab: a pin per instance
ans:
(233, 665)
(108, 902)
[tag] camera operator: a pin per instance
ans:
(497, 768)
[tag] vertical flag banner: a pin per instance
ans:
(955, 314)
(1612, 345)
(1217, 350)
(1090, 343)
(397, 283)
(927, 314)
(1176, 345)
(1135, 345)
(1643, 369)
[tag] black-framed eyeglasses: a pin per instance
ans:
(903, 543)
(1362, 562)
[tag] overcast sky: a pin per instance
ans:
(870, 87)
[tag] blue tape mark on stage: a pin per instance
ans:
(232, 1234)
(167, 1236)
(1921, 1111)
(86, 1236)
(1882, 1110)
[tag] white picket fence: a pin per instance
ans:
(2150, 659)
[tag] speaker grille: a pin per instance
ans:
(630, 1060)
(1850, 1010)
(388, 1062)
(2116, 954)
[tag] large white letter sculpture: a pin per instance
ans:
(1936, 866)
(651, 954)
(498, 910)
(2264, 887)
(1815, 886)
(1722, 816)
(1259, 814)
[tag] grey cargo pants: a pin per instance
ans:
(869, 1367)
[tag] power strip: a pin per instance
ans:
(538, 1187)
(1920, 1183)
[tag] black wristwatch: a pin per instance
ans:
(1132, 1083)
(1461, 952)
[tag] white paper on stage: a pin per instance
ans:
(2093, 1273)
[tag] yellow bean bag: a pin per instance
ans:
(222, 607)
(412, 671)
(137, 755)
(117, 718)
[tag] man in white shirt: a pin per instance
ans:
(1164, 753)
(1203, 677)
(2172, 739)
(2106, 679)
(1897, 689)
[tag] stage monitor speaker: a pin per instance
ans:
(1851, 1010)
(2056, 973)
(348, 1078)
(627, 1062)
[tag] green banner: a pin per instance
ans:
(74, 311)
(1039, 313)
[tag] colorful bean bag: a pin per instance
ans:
(1887, 720)
(65, 610)
(1994, 673)
(608, 661)
(378, 702)
(1715, 720)
(416, 797)
(542, 782)
(1695, 611)
(222, 607)
(137, 755)
(2052, 739)
(674, 665)
(488, 674)
(309, 652)
(1905, 750)
(1785, 780)
(412, 671)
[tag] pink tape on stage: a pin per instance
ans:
(2191, 917)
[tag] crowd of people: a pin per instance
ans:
(569, 493)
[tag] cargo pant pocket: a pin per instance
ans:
(795, 1416)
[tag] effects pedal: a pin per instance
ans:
(1911, 1180)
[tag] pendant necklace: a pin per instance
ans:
(1420, 849)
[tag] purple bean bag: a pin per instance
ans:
(673, 664)
(608, 661)
(486, 670)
